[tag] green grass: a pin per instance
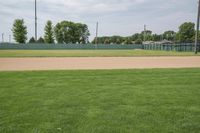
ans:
(89, 53)
(116, 101)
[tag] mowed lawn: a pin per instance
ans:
(116, 101)
(89, 53)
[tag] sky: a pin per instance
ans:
(115, 17)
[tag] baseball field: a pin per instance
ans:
(46, 92)
(90, 53)
(114, 101)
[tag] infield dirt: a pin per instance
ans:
(93, 63)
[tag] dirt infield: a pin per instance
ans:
(22, 64)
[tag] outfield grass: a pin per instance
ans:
(89, 53)
(117, 101)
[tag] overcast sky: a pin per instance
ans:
(115, 17)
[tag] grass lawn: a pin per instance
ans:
(89, 53)
(117, 101)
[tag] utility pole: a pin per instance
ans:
(35, 19)
(2, 37)
(197, 30)
(96, 39)
(9, 38)
(145, 28)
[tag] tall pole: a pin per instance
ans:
(9, 38)
(2, 37)
(35, 19)
(96, 40)
(145, 28)
(197, 30)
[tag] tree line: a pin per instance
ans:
(66, 32)
(186, 34)
(63, 32)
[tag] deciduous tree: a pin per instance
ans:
(186, 32)
(70, 32)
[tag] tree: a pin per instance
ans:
(58, 33)
(107, 41)
(82, 33)
(186, 32)
(127, 40)
(48, 37)
(156, 37)
(118, 41)
(70, 32)
(147, 35)
(19, 31)
(136, 37)
(177, 37)
(40, 40)
(138, 41)
(32, 40)
(169, 35)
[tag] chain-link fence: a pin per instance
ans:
(67, 46)
(171, 47)
(36, 46)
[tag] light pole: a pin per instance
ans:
(35, 19)
(197, 30)
(2, 37)
(96, 39)
(9, 38)
(145, 28)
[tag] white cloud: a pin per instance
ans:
(123, 17)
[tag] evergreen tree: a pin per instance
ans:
(48, 37)
(32, 40)
(19, 31)
(40, 40)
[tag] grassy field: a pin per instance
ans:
(117, 101)
(89, 53)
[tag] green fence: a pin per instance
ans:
(165, 47)
(171, 47)
(4, 46)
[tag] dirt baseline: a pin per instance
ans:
(83, 63)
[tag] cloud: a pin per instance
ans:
(123, 17)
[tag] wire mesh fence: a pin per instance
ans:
(36, 46)
(171, 47)
(67, 46)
